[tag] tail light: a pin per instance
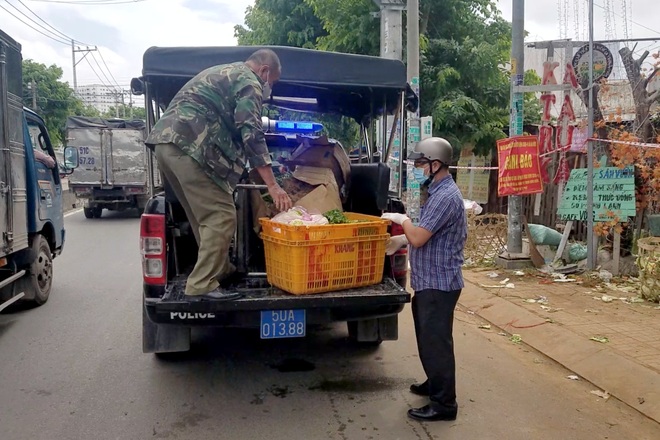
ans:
(153, 248)
(399, 261)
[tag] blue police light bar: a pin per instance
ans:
(298, 127)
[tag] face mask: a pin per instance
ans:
(266, 90)
(419, 175)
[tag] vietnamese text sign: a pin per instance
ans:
(614, 195)
(519, 170)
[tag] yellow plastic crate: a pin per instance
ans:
(304, 267)
(368, 226)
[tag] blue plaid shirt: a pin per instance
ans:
(437, 264)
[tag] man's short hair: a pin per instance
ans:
(266, 57)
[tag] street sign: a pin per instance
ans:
(427, 127)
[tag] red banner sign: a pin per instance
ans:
(519, 169)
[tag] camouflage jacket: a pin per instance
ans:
(216, 119)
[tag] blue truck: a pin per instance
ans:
(31, 208)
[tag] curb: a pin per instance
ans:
(69, 201)
(623, 378)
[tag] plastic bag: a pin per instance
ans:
(298, 216)
(473, 206)
(544, 235)
(577, 252)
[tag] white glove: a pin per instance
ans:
(395, 218)
(395, 243)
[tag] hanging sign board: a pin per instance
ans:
(519, 168)
(603, 63)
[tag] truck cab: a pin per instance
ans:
(359, 87)
(31, 206)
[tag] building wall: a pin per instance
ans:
(99, 96)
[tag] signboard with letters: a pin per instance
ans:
(614, 195)
(519, 169)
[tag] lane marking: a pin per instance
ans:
(76, 211)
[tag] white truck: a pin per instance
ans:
(112, 164)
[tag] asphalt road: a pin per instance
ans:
(74, 369)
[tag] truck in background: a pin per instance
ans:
(112, 167)
(31, 217)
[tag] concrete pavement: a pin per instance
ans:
(73, 369)
(560, 319)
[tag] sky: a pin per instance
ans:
(124, 30)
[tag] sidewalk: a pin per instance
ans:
(558, 319)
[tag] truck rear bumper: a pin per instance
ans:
(385, 299)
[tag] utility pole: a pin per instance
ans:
(391, 47)
(413, 192)
(74, 51)
(591, 243)
(34, 95)
(514, 236)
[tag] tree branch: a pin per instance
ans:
(654, 96)
(642, 58)
(648, 80)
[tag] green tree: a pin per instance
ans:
(54, 98)
(465, 45)
(350, 26)
(293, 23)
(280, 23)
(123, 111)
(532, 108)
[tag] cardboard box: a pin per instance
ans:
(318, 193)
(323, 153)
(325, 197)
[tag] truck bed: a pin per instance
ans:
(382, 299)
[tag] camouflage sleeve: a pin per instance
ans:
(248, 121)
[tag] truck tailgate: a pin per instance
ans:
(127, 163)
(384, 298)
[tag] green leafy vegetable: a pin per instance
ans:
(336, 217)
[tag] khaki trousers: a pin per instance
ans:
(211, 212)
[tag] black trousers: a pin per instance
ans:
(433, 314)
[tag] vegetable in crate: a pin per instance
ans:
(298, 216)
(336, 217)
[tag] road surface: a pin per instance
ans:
(74, 369)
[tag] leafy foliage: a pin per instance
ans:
(464, 44)
(124, 111)
(55, 99)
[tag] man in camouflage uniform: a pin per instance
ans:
(203, 143)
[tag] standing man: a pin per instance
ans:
(436, 257)
(203, 143)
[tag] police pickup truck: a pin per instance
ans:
(359, 87)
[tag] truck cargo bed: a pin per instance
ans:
(381, 299)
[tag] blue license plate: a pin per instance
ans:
(283, 324)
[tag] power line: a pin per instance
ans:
(65, 36)
(97, 75)
(633, 22)
(106, 66)
(48, 31)
(33, 28)
(101, 70)
(90, 2)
